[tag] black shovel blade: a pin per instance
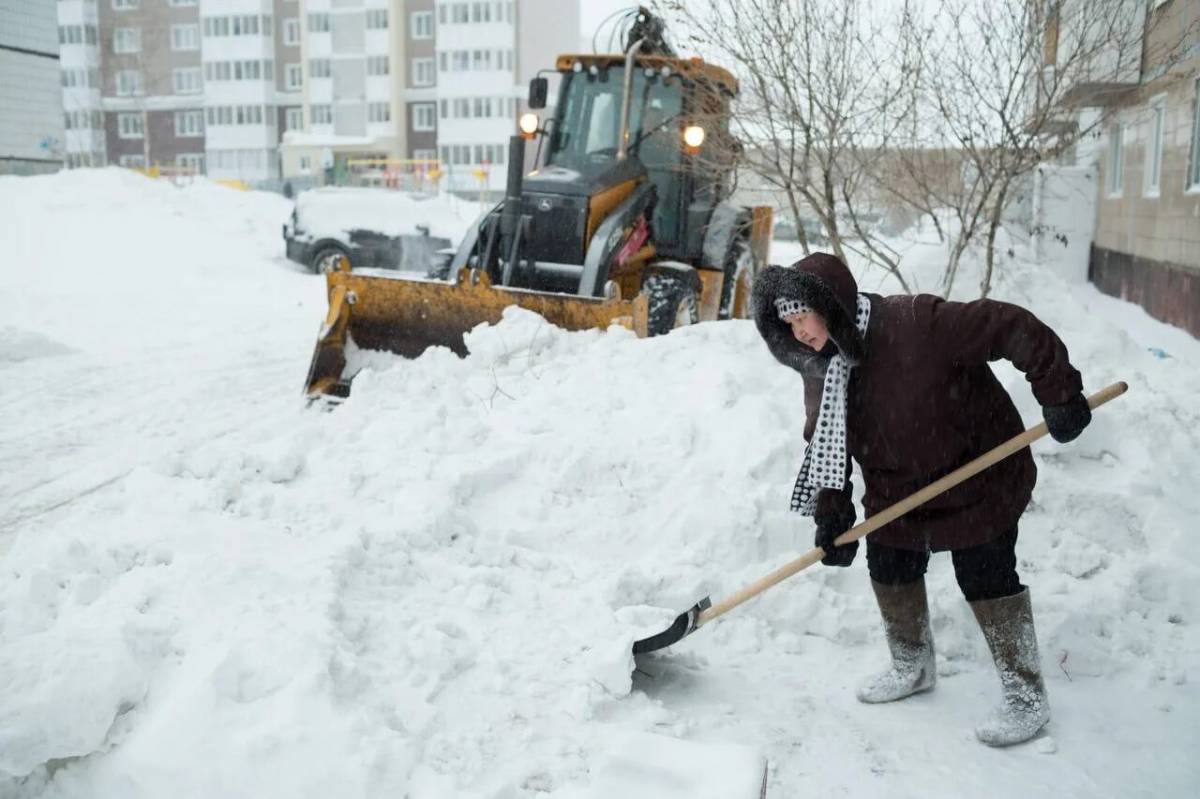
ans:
(683, 626)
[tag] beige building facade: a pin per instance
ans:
(1147, 243)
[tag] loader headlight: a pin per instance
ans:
(693, 137)
(528, 124)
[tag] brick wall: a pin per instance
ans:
(1167, 292)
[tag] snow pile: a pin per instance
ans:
(431, 591)
(335, 211)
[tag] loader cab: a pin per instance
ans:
(584, 138)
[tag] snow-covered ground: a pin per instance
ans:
(208, 590)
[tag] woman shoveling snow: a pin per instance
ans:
(902, 385)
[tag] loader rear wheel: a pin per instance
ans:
(329, 259)
(739, 276)
(672, 303)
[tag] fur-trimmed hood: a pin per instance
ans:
(822, 282)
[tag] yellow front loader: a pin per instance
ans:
(626, 220)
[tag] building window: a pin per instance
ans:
(79, 78)
(185, 37)
(133, 161)
(293, 76)
(322, 115)
(1194, 171)
(1116, 160)
(248, 114)
(494, 153)
(247, 70)
(182, 3)
(130, 126)
(319, 68)
(377, 19)
(187, 80)
(318, 23)
(377, 65)
(422, 24)
(235, 115)
(423, 72)
(189, 123)
(460, 13)
(129, 83)
(127, 40)
(192, 161)
(424, 116)
(246, 25)
(294, 119)
(424, 155)
(379, 112)
(219, 115)
(481, 12)
(122, 5)
(461, 60)
(216, 26)
(1154, 148)
(291, 32)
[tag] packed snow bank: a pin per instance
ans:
(431, 591)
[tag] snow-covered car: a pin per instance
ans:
(373, 228)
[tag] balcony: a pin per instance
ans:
(1096, 52)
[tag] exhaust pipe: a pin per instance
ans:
(627, 100)
(510, 216)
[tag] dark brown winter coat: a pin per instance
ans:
(922, 400)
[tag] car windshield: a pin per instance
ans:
(588, 130)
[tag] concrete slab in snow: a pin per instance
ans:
(648, 766)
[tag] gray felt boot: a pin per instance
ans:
(1007, 624)
(905, 611)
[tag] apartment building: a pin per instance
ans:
(79, 57)
(218, 85)
(32, 137)
(197, 84)
(1147, 244)
(1144, 114)
(421, 80)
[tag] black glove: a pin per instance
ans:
(1065, 422)
(835, 515)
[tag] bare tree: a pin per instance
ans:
(1002, 77)
(942, 106)
(812, 85)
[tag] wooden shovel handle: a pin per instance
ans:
(902, 507)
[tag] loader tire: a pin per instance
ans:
(739, 276)
(672, 304)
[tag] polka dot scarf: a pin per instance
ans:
(825, 458)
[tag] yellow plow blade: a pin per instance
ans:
(408, 315)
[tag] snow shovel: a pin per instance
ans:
(704, 611)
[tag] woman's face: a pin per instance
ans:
(809, 330)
